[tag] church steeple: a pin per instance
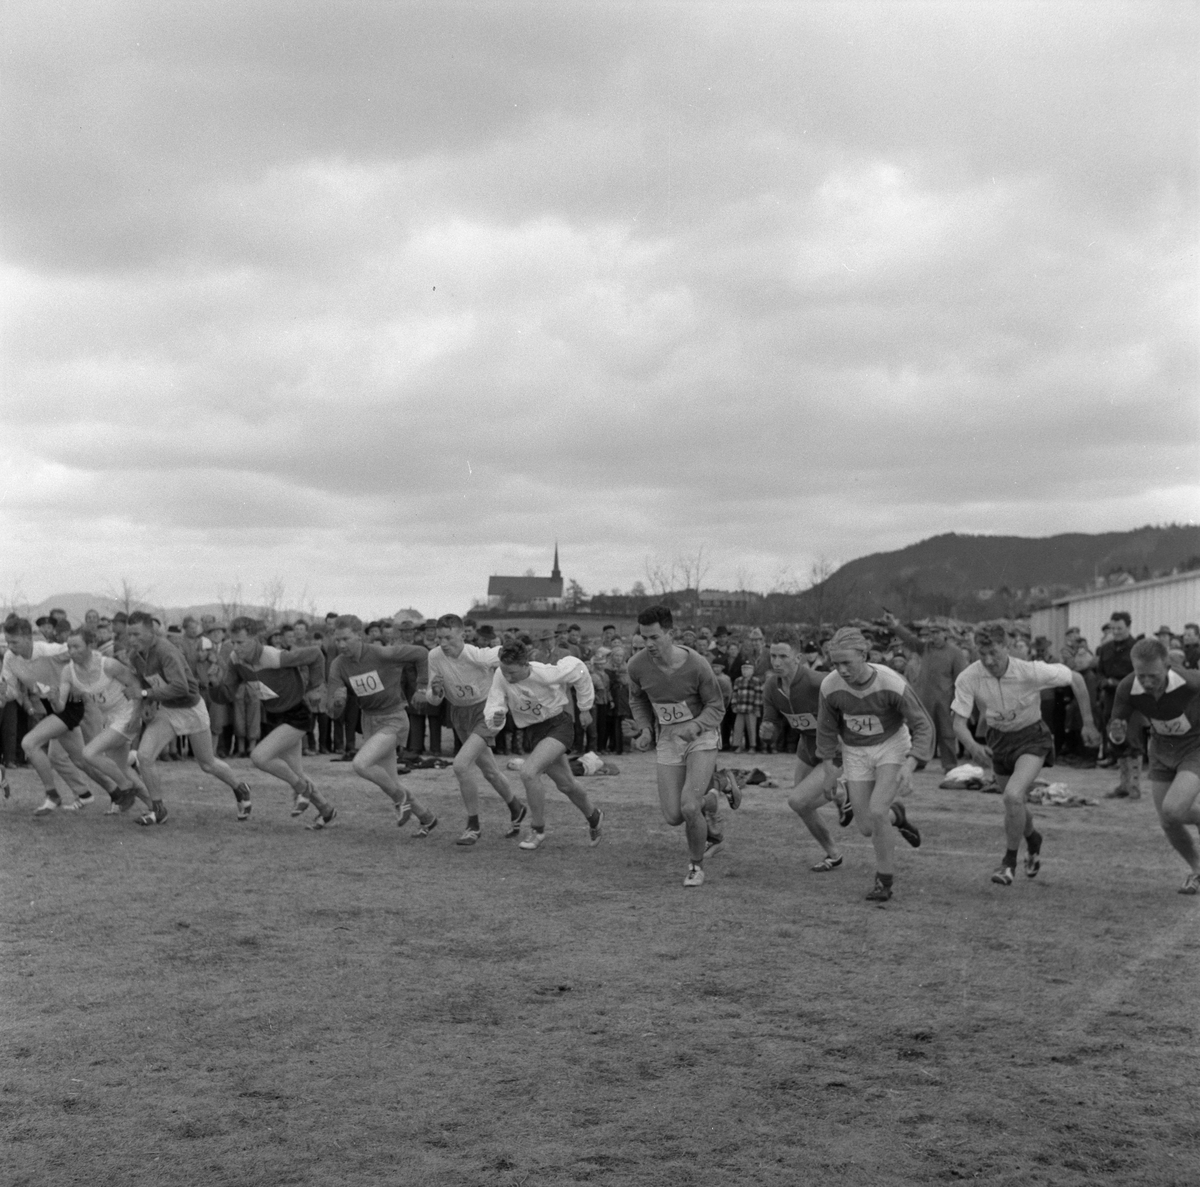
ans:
(556, 573)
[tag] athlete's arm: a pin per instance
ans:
(174, 676)
(920, 725)
(224, 690)
(827, 732)
(711, 716)
(772, 717)
(1122, 710)
(496, 706)
(640, 711)
(1091, 735)
(962, 731)
(128, 681)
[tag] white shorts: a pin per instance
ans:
(861, 762)
(672, 750)
(186, 722)
(123, 719)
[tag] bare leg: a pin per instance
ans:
(35, 744)
(1178, 808)
(809, 794)
(1018, 820)
(375, 761)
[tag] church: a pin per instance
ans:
(527, 593)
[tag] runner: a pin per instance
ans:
(171, 707)
(884, 731)
(113, 689)
(285, 681)
(673, 688)
(32, 673)
(462, 674)
(372, 672)
(1169, 698)
(793, 694)
(536, 696)
(1008, 693)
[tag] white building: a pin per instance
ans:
(1165, 601)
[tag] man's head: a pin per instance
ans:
(1150, 665)
(330, 619)
(91, 619)
(470, 630)
(655, 625)
(1121, 624)
(1073, 636)
(120, 624)
(1191, 634)
(80, 643)
(992, 642)
(244, 634)
(19, 632)
(300, 632)
(608, 634)
(514, 661)
(142, 630)
(784, 657)
(574, 634)
(191, 627)
(348, 634)
(932, 633)
(207, 622)
(46, 627)
(450, 635)
(848, 650)
(58, 614)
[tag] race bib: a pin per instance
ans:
(672, 714)
(265, 691)
(1000, 717)
(866, 725)
(366, 684)
(1174, 728)
(105, 697)
(464, 692)
(801, 721)
(533, 708)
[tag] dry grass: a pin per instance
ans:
(214, 1003)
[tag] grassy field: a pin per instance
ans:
(215, 1003)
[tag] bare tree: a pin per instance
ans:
(744, 577)
(661, 578)
(272, 599)
(785, 581)
(18, 600)
(693, 567)
(230, 600)
(128, 596)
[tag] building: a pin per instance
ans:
(1169, 601)
(720, 602)
(527, 593)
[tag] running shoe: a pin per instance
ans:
(879, 893)
(514, 823)
(469, 837)
(404, 813)
(905, 827)
(841, 798)
(156, 815)
(532, 839)
(73, 806)
(1033, 862)
(694, 876)
(48, 806)
(1004, 875)
(427, 826)
(323, 821)
(241, 793)
(828, 863)
(727, 785)
(1191, 884)
(594, 832)
(85, 798)
(300, 803)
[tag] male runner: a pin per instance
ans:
(884, 731)
(109, 686)
(536, 696)
(285, 682)
(373, 672)
(1169, 698)
(1008, 692)
(673, 688)
(462, 674)
(793, 694)
(32, 672)
(171, 707)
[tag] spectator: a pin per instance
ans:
(747, 708)
(933, 682)
(1191, 645)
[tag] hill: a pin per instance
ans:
(78, 604)
(976, 577)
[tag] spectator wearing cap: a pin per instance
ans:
(1191, 645)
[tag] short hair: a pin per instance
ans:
(1149, 650)
(514, 653)
(783, 635)
(1121, 615)
(469, 621)
(652, 614)
(190, 618)
(574, 627)
(141, 618)
(44, 620)
(121, 616)
(244, 623)
(452, 621)
(91, 610)
(608, 626)
(1191, 626)
(57, 612)
(991, 635)
(18, 626)
(86, 634)
(348, 622)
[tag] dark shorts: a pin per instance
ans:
(1169, 756)
(71, 713)
(299, 717)
(560, 728)
(806, 751)
(1034, 739)
(468, 720)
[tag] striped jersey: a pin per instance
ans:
(871, 714)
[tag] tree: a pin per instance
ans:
(661, 578)
(272, 600)
(575, 596)
(128, 596)
(692, 567)
(18, 600)
(230, 601)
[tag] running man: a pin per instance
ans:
(462, 674)
(113, 690)
(171, 707)
(884, 730)
(284, 680)
(536, 696)
(1008, 693)
(373, 672)
(32, 673)
(672, 688)
(793, 694)
(1168, 697)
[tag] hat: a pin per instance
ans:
(1164, 630)
(406, 625)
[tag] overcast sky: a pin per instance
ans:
(381, 298)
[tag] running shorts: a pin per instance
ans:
(862, 762)
(390, 721)
(1169, 756)
(1035, 739)
(71, 714)
(299, 717)
(123, 719)
(560, 728)
(468, 720)
(187, 721)
(671, 750)
(806, 751)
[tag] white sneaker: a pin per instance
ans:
(695, 875)
(48, 806)
(73, 806)
(532, 840)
